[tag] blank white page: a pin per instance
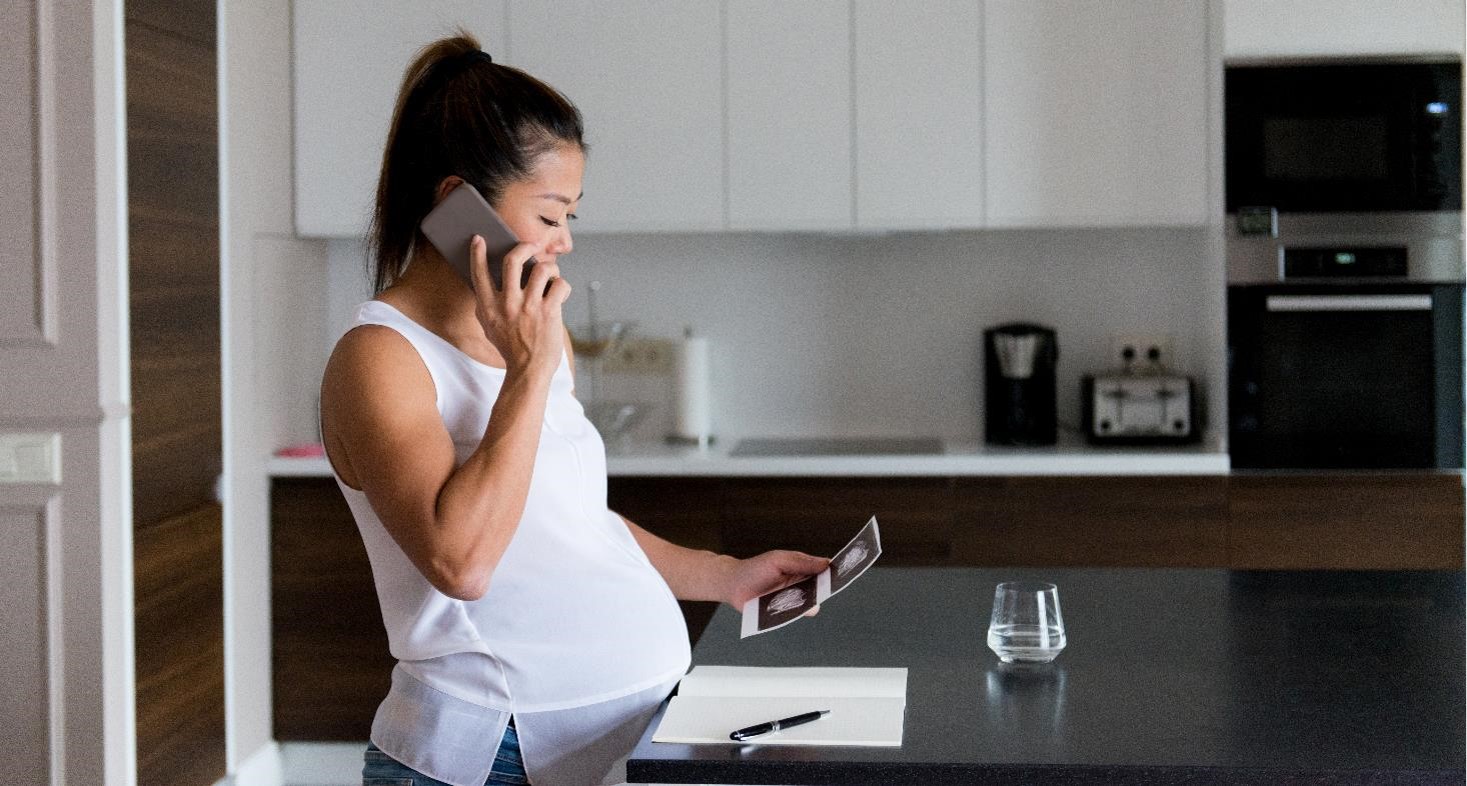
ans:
(813, 682)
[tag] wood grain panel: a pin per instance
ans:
(191, 19)
(819, 516)
(173, 287)
(173, 246)
(1355, 521)
(331, 666)
(1094, 521)
(179, 628)
(685, 511)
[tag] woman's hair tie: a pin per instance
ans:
(449, 68)
(473, 56)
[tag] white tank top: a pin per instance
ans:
(578, 636)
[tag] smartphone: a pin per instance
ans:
(454, 222)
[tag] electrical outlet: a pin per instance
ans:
(640, 356)
(1142, 352)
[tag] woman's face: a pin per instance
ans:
(539, 209)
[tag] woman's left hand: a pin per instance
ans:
(755, 576)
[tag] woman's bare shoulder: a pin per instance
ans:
(373, 353)
(375, 391)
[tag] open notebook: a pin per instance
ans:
(867, 706)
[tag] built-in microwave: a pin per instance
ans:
(1344, 137)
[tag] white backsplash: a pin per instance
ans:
(878, 335)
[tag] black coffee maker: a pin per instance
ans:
(1018, 369)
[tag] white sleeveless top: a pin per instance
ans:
(578, 637)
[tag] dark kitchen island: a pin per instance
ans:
(1169, 677)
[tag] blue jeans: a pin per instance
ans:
(383, 770)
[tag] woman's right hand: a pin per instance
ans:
(523, 323)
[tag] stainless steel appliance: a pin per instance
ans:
(1019, 367)
(1357, 375)
(1344, 136)
(1344, 265)
(1139, 409)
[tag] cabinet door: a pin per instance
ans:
(1335, 28)
(1113, 521)
(1096, 112)
(348, 68)
(819, 516)
(1389, 521)
(789, 115)
(646, 75)
(919, 114)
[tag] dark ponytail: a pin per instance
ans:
(459, 113)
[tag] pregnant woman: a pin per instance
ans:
(535, 630)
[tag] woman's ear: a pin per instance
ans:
(445, 186)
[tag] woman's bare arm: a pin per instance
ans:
(702, 575)
(381, 422)
(383, 429)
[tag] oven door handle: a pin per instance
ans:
(1348, 302)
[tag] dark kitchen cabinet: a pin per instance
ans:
(1376, 521)
(329, 660)
(1172, 521)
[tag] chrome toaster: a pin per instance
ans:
(1139, 409)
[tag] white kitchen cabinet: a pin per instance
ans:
(824, 115)
(789, 115)
(919, 114)
(1295, 28)
(348, 66)
(1096, 112)
(647, 77)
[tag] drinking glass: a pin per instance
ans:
(1026, 626)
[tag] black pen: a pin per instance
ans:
(776, 725)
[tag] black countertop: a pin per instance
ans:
(1169, 677)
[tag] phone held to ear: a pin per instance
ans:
(454, 222)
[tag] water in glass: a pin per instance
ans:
(1026, 626)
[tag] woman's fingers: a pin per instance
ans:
(540, 276)
(800, 564)
(560, 289)
(514, 266)
(478, 265)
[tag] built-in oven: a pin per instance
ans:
(1352, 136)
(1349, 373)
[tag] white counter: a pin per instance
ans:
(1066, 458)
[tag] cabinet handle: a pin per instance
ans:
(1348, 302)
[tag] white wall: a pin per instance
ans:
(1267, 28)
(66, 675)
(264, 268)
(878, 334)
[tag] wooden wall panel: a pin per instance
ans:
(180, 649)
(1363, 521)
(173, 249)
(330, 663)
(173, 284)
